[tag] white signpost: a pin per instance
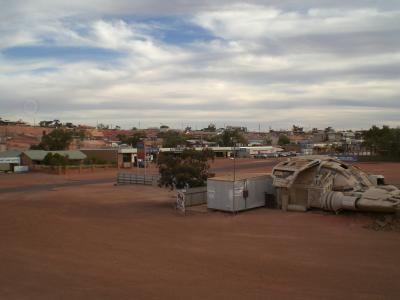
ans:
(180, 201)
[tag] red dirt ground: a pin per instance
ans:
(37, 178)
(391, 171)
(219, 166)
(101, 241)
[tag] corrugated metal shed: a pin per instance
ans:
(10, 157)
(39, 155)
(246, 192)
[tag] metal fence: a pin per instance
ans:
(195, 196)
(192, 197)
(132, 178)
(69, 168)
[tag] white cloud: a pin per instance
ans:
(265, 64)
(247, 22)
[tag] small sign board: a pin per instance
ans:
(10, 160)
(140, 145)
(141, 150)
(20, 169)
(348, 158)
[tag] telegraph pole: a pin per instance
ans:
(145, 159)
(234, 175)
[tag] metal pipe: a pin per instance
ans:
(336, 201)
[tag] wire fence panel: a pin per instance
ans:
(131, 178)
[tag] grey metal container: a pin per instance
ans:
(246, 192)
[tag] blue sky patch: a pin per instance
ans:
(172, 30)
(66, 53)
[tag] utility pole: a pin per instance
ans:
(118, 157)
(145, 159)
(234, 175)
(234, 163)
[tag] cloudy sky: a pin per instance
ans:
(177, 62)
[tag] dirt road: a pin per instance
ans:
(40, 181)
(100, 241)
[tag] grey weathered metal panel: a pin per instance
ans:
(220, 193)
(132, 178)
(195, 196)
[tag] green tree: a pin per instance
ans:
(58, 139)
(55, 159)
(283, 140)
(54, 124)
(230, 138)
(210, 128)
(383, 141)
(190, 168)
(94, 161)
(172, 139)
(69, 125)
(45, 123)
(337, 148)
(268, 141)
(131, 140)
(57, 123)
(102, 126)
(79, 133)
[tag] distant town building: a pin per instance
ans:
(36, 157)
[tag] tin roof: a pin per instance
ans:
(41, 154)
(239, 176)
(10, 153)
